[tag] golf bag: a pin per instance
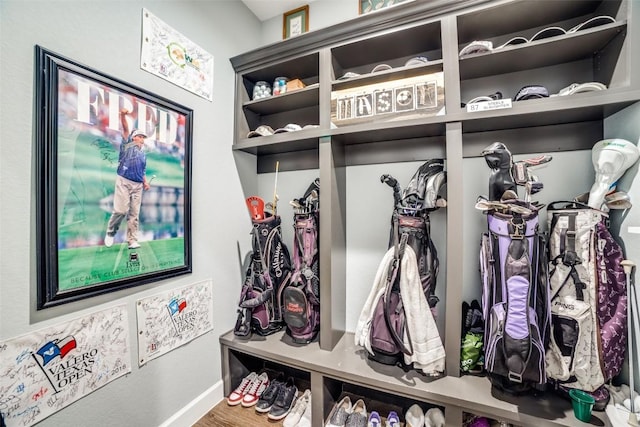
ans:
(391, 339)
(267, 273)
(301, 296)
(515, 299)
(588, 300)
(514, 272)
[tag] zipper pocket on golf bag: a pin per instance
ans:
(569, 357)
(301, 310)
(496, 359)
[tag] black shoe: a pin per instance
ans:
(285, 400)
(269, 396)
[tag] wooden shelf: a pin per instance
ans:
(301, 98)
(541, 53)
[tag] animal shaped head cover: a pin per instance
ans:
(611, 158)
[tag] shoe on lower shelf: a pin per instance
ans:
(303, 404)
(358, 416)
(374, 420)
(434, 418)
(414, 417)
(265, 402)
(236, 395)
(255, 390)
(284, 402)
(393, 420)
(339, 413)
(305, 420)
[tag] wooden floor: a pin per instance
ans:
(223, 415)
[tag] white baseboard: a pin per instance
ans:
(197, 408)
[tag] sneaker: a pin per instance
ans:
(265, 402)
(134, 245)
(374, 420)
(302, 405)
(414, 417)
(108, 240)
(434, 418)
(339, 413)
(393, 420)
(236, 396)
(358, 417)
(305, 420)
(255, 390)
(285, 400)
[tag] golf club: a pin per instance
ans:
(628, 268)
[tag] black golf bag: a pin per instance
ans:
(267, 273)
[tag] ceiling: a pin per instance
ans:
(267, 9)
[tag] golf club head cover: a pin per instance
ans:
(499, 159)
(611, 158)
(425, 185)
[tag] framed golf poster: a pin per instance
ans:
(113, 183)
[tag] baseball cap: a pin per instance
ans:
(580, 88)
(348, 75)
(476, 46)
(262, 130)
(291, 127)
(485, 98)
(593, 22)
(137, 132)
(548, 32)
(416, 60)
(531, 92)
(381, 67)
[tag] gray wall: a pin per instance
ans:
(105, 35)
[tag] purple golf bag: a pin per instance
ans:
(588, 301)
(301, 296)
(515, 298)
(267, 273)
(410, 227)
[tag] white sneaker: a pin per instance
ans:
(434, 418)
(414, 417)
(302, 405)
(108, 240)
(236, 395)
(305, 420)
(134, 245)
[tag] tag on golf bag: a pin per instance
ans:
(515, 301)
(268, 273)
(588, 299)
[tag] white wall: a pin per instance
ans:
(105, 35)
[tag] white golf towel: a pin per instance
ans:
(428, 351)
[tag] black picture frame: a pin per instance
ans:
(79, 133)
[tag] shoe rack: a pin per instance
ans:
(566, 127)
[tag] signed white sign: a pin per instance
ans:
(45, 371)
